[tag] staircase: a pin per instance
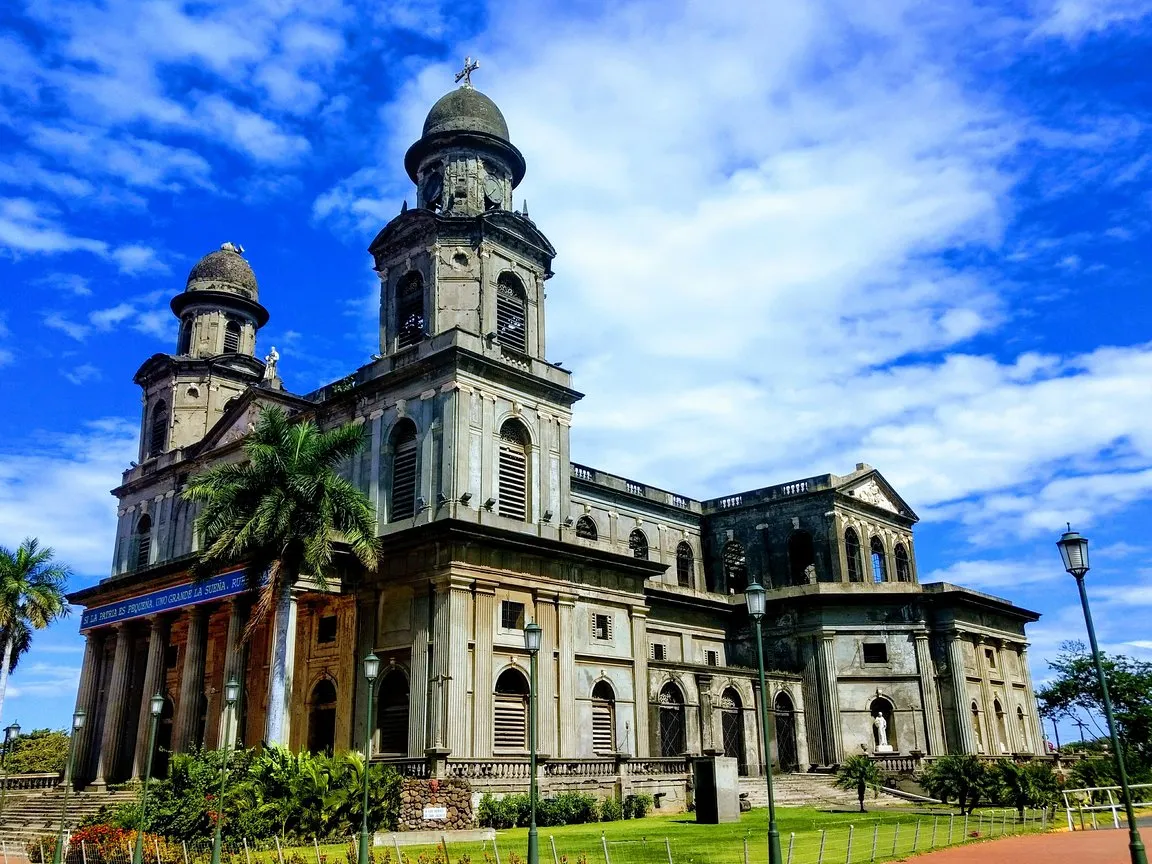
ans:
(809, 790)
(30, 815)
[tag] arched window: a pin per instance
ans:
(158, 429)
(403, 501)
(184, 343)
(586, 528)
(787, 755)
(410, 321)
(603, 718)
(638, 543)
(732, 727)
(392, 714)
(883, 730)
(852, 552)
(1001, 726)
(1022, 728)
(232, 337)
(735, 567)
(903, 570)
(511, 314)
(510, 714)
(684, 563)
(976, 727)
(513, 485)
(322, 717)
(879, 565)
(672, 724)
(801, 558)
(143, 542)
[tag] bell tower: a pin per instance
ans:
(186, 393)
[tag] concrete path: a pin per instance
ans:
(1082, 847)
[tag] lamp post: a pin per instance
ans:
(231, 694)
(1074, 550)
(155, 707)
(77, 725)
(532, 634)
(371, 670)
(754, 596)
(10, 734)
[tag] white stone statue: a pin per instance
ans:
(881, 726)
(270, 364)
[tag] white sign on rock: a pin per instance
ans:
(431, 813)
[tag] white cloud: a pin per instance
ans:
(81, 374)
(250, 132)
(39, 680)
(997, 575)
(1074, 19)
(57, 321)
(72, 283)
(24, 228)
(6, 355)
(106, 319)
(135, 258)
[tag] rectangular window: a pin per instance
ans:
(657, 651)
(511, 615)
(990, 656)
(712, 657)
(601, 626)
(875, 652)
(326, 630)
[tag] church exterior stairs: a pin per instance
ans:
(31, 815)
(808, 790)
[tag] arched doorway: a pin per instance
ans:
(510, 714)
(392, 712)
(883, 727)
(732, 727)
(786, 753)
(603, 719)
(672, 725)
(322, 717)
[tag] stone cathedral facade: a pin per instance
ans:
(486, 523)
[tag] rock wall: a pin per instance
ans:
(455, 796)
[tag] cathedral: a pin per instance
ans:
(486, 523)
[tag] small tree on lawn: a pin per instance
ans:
(963, 778)
(859, 772)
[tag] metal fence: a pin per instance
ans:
(1082, 805)
(864, 842)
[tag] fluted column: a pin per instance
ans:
(460, 630)
(153, 682)
(281, 671)
(191, 683)
(929, 696)
(640, 676)
(991, 730)
(826, 668)
(567, 684)
(116, 708)
(547, 706)
(704, 697)
(365, 644)
(813, 701)
(420, 695)
(86, 702)
(968, 743)
(1033, 711)
(482, 683)
(235, 661)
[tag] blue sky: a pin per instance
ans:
(791, 237)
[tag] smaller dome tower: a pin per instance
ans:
(219, 309)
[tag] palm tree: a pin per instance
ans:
(31, 598)
(281, 511)
(962, 777)
(859, 772)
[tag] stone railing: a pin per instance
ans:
(405, 767)
(579, 768)
(46, 780)
(896, 763)
(488, 769)
(661, 766)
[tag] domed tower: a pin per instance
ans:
(186, 393)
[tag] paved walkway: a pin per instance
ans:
(1082, 847)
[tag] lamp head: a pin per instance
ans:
(532, 635)
(156, 704)
(371, 667)
(231, 691)
(78, 720)
(754, 596)
(1074, 550)
(12, 731)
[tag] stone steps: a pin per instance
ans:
(807, 790)
(29, 815)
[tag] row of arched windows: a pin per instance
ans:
(877, 557)
(232, 333)
(1001, 728)
(638, 543)
(511, 312)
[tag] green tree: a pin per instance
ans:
(281, 511)
(1075, 689)
(32, 588)
(1021, 786)
(859, 773)
(38, 751)
(960, 778)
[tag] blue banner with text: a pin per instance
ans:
(165, 600)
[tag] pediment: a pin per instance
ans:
(875, 491)
(241, 416)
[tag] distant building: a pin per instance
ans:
(487, 523)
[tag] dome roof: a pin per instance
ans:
(466, 109)
(225, 270)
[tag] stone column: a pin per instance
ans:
(458, 726)
(482, 683)
(418, 686)
(235, 661)
(153, 683)
(548, 707)
(115, 709)
(810, 684)
(707, 737)
(365, 644)
(281, 672)
(830, 697)
(968, 743)
(640, 676)
(86, 702)
(929, 695)
(1033, 712)
(568, 739)
(191, 684)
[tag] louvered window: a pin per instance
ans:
(403, 472)
(852, 552)
(513, 485)
(393, 716)
(410, 321)
(601, 626)
(684, 565)
(586, 528)
(657, 651)
(603, 718)
(510, 712)
(712, 658)
(638, 543)
(232, 338)
(158, 431)
(143, 542)
(511, 324)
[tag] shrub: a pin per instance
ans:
(610, 810)
(636, 806)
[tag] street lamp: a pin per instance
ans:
(754, 596)
(231, 694)
(1074, 550)
(371, 670)
(532, 635)
(10, 734)
(77, 725)
(156, 707)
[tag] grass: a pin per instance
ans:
(820, 836)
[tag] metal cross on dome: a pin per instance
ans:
(465, 74)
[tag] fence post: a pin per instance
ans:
(848, 857)
(980, 825)
(4, 846)
(400, 858)
(156, 846)
(184, 845)
(895, 837)
(1115, 818)
(965, 826)
(951, 819)
(316, 846)
(247, 857)
(44, 860)
(555, 857)
(875, 837)
(791, 845)
(820, 856)
(280, 852)
(668, 849)
(745, 850)
(604, 843)
(495, 849)
(916, 837)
